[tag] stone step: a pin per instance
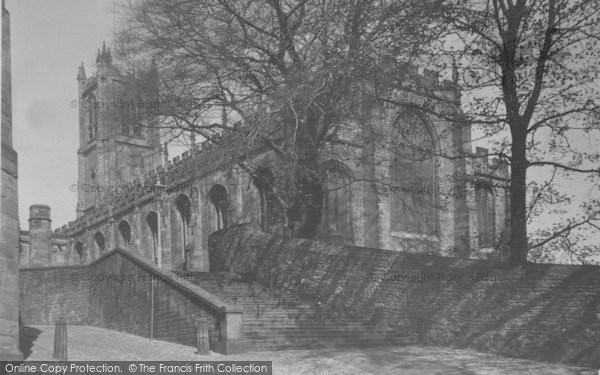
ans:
(301, 325)
(275, 320)
(273, 345)
(290, 311)
(298, 321)
(273, 305)
(316, 333)
(250, 318)
(290, 328)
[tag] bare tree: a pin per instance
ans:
(529, 69)
(290, 70)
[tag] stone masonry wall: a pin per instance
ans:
(122, 299)
(48, 293)
(541, 312)
(124, 292)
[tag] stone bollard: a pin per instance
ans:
(203, 347)
(60, 340)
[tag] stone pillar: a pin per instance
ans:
(370, 201)
(165, 238)
(138, 233)
(9, 213)
(158, 260)
(9, 258)
(40, 235)
(459, 192)
(197, 232)
(111, 241)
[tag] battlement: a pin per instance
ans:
(201, 160)
(209, 156)
(427, 79)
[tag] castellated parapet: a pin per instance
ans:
(39, 246)
(165, 209)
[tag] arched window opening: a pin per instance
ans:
(413, 177)
(100, 243)
(218, 196)
(137, 130)
(125, 128)
(486, 228)
(125, 232)
(338, 201)
(92, 116)
(80, 252)
(136, 117)
(152, 221)
(270, 209)
(184, 205)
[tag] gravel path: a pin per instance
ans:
(90, 343)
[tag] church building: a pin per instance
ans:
(398, 179)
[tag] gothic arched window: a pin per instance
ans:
(486, 228)
(270, 209)
(99, 242)
(81, 256)
(413, 177)
(218, 196)
(137, 129)
(338, 202)
(125, 128)
(152, 221)
(125, 231)
(92, 116)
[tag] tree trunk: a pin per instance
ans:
(311, 196)
(518, 196)
(307, 200)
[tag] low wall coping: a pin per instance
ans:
(182, 285)
(190, 289)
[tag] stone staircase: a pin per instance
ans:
(281, 320)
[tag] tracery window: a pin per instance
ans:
(92, 116)
(218, 197)
(338, 202)
(486, 227)
(413, 177)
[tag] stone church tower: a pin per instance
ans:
(9, 218)
(118, 133)
(389, 183)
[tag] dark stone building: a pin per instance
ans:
(9, 212)
(380, 192)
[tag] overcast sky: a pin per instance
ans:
(49, 40)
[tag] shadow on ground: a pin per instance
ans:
(413, 360)
(27, 337)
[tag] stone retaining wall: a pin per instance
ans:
(542, 312)
(125, 292)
